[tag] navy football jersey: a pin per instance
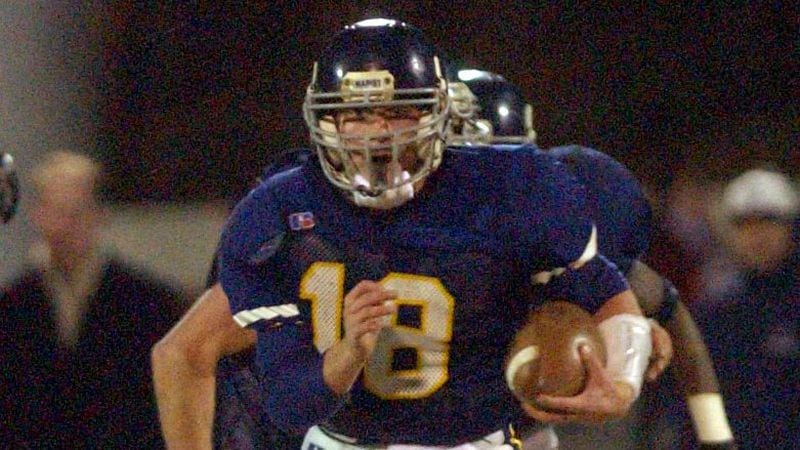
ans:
(614, 201)
(460, 256)
(615, 198)
(240, 421)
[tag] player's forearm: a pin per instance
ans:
(626, 334)
(694, 368)
(185, 399)
(341, 368)
(697, 382)
(622, 303)
(184, 368)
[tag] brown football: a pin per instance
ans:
(543, 357)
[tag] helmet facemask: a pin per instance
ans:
(379, 168)
(465, 127)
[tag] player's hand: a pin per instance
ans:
(662, 351)
(602, 399)
(367, 308)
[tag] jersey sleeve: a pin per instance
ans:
(248, 243)
(589, 286)
(620, 208)
(250, 273)
(552, 227)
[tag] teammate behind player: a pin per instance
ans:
(388, 235)
(622, 215)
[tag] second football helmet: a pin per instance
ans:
(378, 68)
(488, 110)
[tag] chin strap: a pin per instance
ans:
(388, 199)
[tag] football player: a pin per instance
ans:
(207, 333)
(494, 111)
(385, 278)
(188, 356)
(9, 188)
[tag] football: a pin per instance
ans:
(544, 357)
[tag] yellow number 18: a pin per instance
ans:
(323, 286)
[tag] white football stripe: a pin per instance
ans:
(524, 356)
(708, 414)
(287, 310)
(544, 277)
(248, 317)
(589, 252)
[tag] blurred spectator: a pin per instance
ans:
(76, 328)
(752, 326)
(682, 243)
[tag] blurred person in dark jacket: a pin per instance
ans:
(752, 327)
(77, 325)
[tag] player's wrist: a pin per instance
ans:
(354, 352)
(625, 393)
(341, 367)
(628, 346)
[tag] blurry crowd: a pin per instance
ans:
(732, 250)
(78, 324)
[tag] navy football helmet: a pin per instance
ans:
(378, 66)
(487, 109)
(9, 188)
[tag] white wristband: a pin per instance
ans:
(628, 347)
(709, 419)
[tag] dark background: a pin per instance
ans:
(193, 99)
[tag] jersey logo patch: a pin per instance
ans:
(301, 221)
